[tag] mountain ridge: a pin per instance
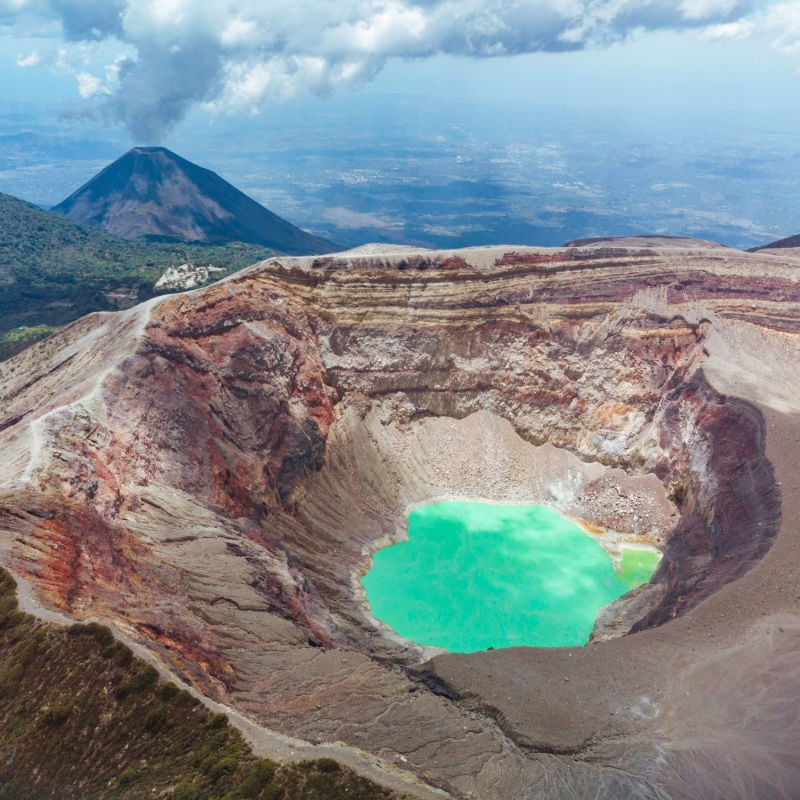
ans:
(151, 191)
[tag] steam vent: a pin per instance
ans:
(211, 472)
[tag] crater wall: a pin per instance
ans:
(212, 471)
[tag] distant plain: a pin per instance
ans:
(454, 172)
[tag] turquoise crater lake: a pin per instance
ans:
(478, 575)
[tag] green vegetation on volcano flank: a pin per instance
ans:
(81, 718)
(53, 270)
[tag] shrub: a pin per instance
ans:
(221, 767)
(123, 655)
(259, 777)
(10, 615)
(218, 722)
(327, 765)
(187, 698)
(127, 777)
(145, 677)
(157, 719)
(169, 691)
(186, 790)
(55, 715)
(100, 633)
(27, 650)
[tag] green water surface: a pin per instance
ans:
(477, 575)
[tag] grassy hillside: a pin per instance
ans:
(81, 718)
(53, 270)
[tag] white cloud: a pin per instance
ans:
(239, 32)
(236, 55)
(394, 28)
(89, 85)
(729, 31)
(112, 70)
(706, 9)
(31, 60)
(783, 23)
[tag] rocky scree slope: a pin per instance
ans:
(211, 471)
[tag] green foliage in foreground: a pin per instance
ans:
(81, 718)
(53, 270)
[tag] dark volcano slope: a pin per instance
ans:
(780, 244)
(151, 191)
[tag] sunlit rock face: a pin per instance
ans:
(211, 472)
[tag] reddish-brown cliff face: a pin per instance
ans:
(730, 516)
(212, 471)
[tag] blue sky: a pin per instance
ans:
(144, 65)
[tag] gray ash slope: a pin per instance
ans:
(151, 191)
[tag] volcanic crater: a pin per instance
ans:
(211, 472)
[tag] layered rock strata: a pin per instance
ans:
(211, 472)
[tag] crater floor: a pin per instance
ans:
(210, 472)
